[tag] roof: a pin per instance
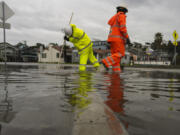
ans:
(57, 47)
(7, 45)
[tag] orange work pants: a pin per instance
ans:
(117, 52)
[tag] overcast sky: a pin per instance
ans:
(40, 21)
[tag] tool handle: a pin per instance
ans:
(64, 43)
(71, 18)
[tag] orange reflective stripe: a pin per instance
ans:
(117, 36)
(118, 26)
(116, 68)
(112, 60)
(107, 61)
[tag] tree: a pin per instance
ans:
(40, 44)
(157, 44)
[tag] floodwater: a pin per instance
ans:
(40, 99)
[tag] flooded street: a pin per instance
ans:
(45, 99)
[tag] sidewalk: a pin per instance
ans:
(97, 119)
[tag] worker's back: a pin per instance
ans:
(79, 38)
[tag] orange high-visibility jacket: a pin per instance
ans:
(118, 31)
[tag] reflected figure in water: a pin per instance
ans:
(6, 114)
(79, 99)
(115, 98)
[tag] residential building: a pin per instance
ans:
(27, 53)
(100, 45)
(51, 54)
(100, 49)
(75, 56)
(101, 54)
(11, 52)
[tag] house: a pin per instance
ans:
(51, 54)
(101, 54)
(11, 52)
(75, 56)
(100, 49)
(28, 53)
(100, 45)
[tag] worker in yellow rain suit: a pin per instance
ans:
(83, 43)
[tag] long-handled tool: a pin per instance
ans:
(64, 42)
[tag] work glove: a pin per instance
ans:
(128, 41)
(66, 38)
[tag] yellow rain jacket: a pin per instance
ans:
(80, 39)
(84, 45)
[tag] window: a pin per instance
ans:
(43, 55)
(57, 55)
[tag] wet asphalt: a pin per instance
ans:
(40, 99)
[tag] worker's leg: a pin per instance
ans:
(116, 66)
(117, 51)
(115, 55)
(92, 58)
(83, 60)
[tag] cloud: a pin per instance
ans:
(41, 20)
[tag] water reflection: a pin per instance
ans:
(115, 98)
(6, 108)
(171, 93)
(77, 94)
(79, 98)
(153, 102)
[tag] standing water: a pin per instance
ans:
(45, 99)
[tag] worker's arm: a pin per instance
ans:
(122, 22)
(77, 35)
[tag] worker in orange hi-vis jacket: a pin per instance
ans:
(117, 39)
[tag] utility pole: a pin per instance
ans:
(4, 33)
(175, 54)
(5, 13)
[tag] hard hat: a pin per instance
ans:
(122, 6)
(68, 30)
